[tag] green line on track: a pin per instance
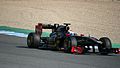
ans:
(19, 30)
(6, 28)
(45, 34)
(115, 45)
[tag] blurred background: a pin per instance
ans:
(95, 17)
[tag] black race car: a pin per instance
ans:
(61, 39)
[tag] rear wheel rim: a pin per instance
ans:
(30, 40)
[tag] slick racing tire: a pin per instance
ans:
(70, 43)
(67, 45)
(105, 47)
(33, 40)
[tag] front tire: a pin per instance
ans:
(105, 47)
(33, 40)
(67, 45)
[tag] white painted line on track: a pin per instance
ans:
(13, 33)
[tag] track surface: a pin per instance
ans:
(15, 54)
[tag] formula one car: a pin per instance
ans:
(61, 39)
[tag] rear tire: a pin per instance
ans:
(33, 40)
(105, 47)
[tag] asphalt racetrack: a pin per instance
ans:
(15, 54)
